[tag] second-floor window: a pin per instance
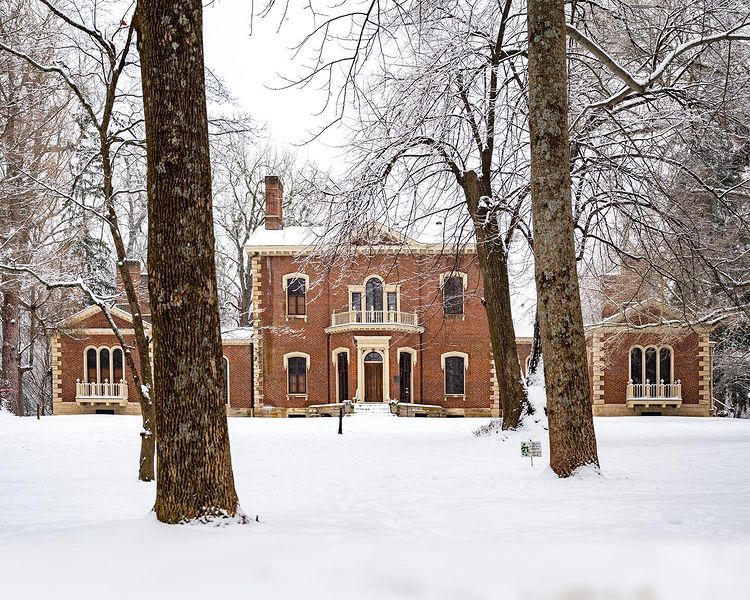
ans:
(296, 292)
(104, 365)
(453, 295)
(374, 295)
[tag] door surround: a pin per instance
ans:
(372, 343)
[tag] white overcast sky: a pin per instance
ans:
(250, 65)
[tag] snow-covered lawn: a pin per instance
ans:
(394, 508)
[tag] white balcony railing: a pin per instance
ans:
(654, 393)
(101, 393)
(374, 317)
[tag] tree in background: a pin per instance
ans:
(194, 478)
(571, 423)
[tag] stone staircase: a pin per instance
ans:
(377, 409)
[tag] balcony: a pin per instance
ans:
(374, 319)
(648, 394)
(105, 394)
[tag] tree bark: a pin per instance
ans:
(571, 427)
(11, 314)
(493, 264)
(194, 476)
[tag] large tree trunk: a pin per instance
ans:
(493, 264)
(10, 381)
(571, 427)
(194, 472)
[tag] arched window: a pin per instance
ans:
(374, 295)
(117, 366)
(373, 357)
(296, 365)
(342, 376)
(453, 295)
(104, 365)
(225, 362)
(454, 367)
(406, 359)
(654, 364)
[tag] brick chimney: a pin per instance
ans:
(623, 288)
(274, 202)
(140, 283)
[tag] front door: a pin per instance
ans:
(373, 382)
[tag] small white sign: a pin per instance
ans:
(531, 449)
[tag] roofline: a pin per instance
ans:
(416, 248)
(89, 311)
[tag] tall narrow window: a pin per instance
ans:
(295, 296)
(404, 373)
(392, 302)
(454, 375)
(225, 361)
(117, 366)
(650, 359)
(665, 365)
(342, 372)
(104, 373)
(374, 295)
(91, 373)
(453, 295)
(297, 366)
(636, 365)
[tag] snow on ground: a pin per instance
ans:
(394, 508)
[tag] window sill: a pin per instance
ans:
(452, 317)
(297, 396)
(303, 317)
(456, 396)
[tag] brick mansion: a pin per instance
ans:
(392, 321)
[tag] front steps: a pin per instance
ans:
(377, 409)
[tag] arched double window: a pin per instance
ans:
(652, 364)
(104, 365)
(374, 295)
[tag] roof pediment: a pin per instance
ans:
(92, 317)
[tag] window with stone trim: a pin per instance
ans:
(296, 296)
(104, 365)
(453, 295)
(654, 364)
(454, 375)
(225, 362)
(297, 374)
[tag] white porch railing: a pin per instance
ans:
(654, 391)
(374, 317)
(105, 393)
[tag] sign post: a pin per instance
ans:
(531, 449)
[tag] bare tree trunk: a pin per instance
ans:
(571, 426)
(194, 475)
(493, 263)
(11, 321)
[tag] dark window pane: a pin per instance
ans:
(91, 366)
(392, 301)
(226, 379)
(117, 368)
(636, 365)
(343, 376)
(297, 366)
(665, 365)
(357, 301)
(295, 295)
(104, 365)
(454, 375)
(651, 365)
(453, 296)
(404, 362)
(373, 357)
(374, 295)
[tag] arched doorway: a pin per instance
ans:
(373, 377)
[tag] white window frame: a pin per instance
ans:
(386, 289)
(413, 352)
(454, 354)
(335, 361)
(289, 355)
(658, 362)
(98, 350)
(465, 279)
(285, 283)
(224, 357)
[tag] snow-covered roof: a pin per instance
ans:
(299, 236)
(236, 334)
